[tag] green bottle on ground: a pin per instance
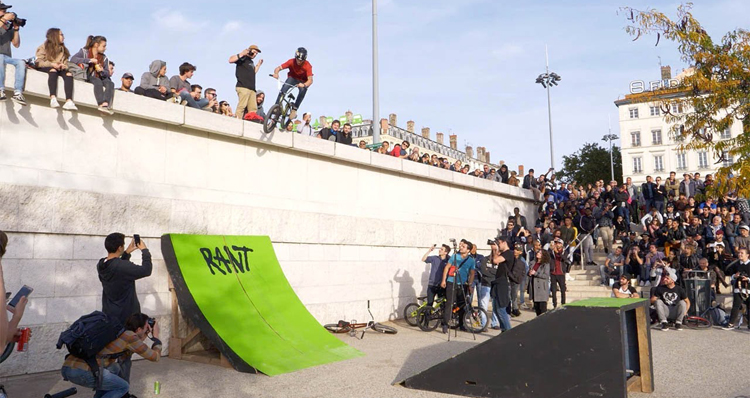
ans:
(157, 388)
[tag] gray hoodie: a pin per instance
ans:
(260, 110)
(149, 79)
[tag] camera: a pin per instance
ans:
(492, 241)
(151, 322)
(19, 21)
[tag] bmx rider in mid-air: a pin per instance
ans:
(300, 75)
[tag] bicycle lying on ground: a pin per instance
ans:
(61, 394)
(279, 113)
(351, 327)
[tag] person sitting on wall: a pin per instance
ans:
(154, 83)
(129, 342)
(333, 131)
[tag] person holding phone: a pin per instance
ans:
(9, 331)
(118, 275)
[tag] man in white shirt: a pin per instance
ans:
(306, 129)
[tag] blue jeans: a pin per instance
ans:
(483, 299)
(502, 315)
(20, 67)
(288, 85)
(113, 386)
(192, 102)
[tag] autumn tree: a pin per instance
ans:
(714, 96)
(591, 164)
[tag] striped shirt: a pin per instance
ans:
(127, 342)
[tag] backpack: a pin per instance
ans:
(89, 335)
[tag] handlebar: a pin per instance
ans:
(282, 83)
(63, 394)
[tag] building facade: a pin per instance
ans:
(649, 147)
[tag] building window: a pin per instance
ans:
(682, 161)
(656, 137)
(637, 166)
(659, 163)
(726, 134)
(654, 110)
(677, 108)
(635, 138)
(703, 160)
(728, 160)
(633, 113)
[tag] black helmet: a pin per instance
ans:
(301, 54)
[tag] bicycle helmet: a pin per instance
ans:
(301, 54)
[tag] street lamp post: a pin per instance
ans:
(611, 137)
(547, 80)
(375, 96)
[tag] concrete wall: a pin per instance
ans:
(347, 225)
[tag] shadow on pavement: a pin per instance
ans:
(424, 358)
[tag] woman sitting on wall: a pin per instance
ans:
(95, 63)
(52, 57)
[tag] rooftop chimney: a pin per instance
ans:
(487, 157)
(349, 116)
(392, 119)
(439, 138)
(384, 126)
(469, 152)
(454, 141)
(426, 132)
(410, 126)
(520, 171)
(666, 72)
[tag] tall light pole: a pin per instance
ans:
(547, 80)
(375, 96)
(611, 137)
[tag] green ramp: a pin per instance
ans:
(235, 292)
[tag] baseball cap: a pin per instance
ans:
(626, 276)
(672, 274)
(745, 227)
(127, 76)
(558, 240)
(4, 6)
(254, 47)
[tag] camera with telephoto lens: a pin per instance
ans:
(20, 22)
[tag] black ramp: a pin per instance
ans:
(571, 352)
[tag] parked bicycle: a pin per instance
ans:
(475, 320)
(279, 113)
(352, 327)
(411, 311)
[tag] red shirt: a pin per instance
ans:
(299, 72)
(558, 264)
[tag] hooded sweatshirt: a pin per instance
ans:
(118, 277)
(150, 79)
(260, 110)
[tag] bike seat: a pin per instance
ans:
(291, 97)
(422, 298)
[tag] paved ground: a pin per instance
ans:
(690, 363)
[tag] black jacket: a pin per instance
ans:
(118, 277)
(341, 138)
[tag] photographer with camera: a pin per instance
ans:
(130, 341)
(9, 34)
(437, 265)
(118, 276)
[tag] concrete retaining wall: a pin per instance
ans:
(347, 225)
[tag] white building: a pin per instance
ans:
(648, 147)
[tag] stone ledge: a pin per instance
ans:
(352, 154)
(386, 161)
(313, 145)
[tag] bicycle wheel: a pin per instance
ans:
(8, 350)
(697, 322)
(475, 320)
(337, 328)
(429, 318)
(272, 119)
(384, 329)
(410, 314)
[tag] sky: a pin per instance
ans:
(460, 67)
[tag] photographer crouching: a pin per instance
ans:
(9, 34)
(131, 341)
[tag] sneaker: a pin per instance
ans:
(664, 326)
(445, 329)
(677, 326)
(19, 99)
(105, 109)
(2, 95)
(53, 103)
(729, 326)
(70, 106)
(496, 328)
(293, 114)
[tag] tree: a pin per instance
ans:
(590, 164)
(714, 95)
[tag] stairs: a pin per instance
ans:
(587, 284)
